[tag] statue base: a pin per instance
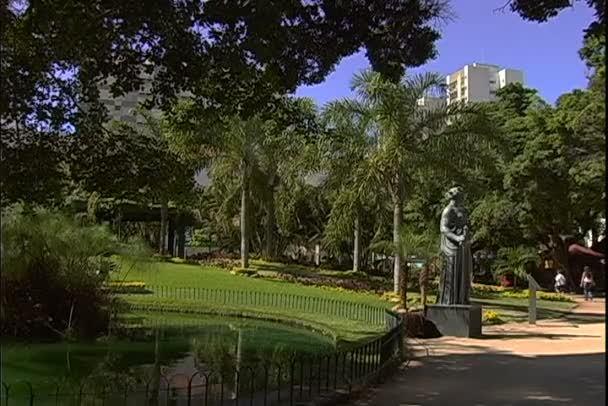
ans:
(456, 320)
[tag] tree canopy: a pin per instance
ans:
(231, 54)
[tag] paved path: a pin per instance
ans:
(556, 362)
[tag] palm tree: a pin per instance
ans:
(416, 142)
(515, 261)
(344, 158)
(257, 150)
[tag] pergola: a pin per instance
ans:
(129, 211)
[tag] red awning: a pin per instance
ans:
(576, 249)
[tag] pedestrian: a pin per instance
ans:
(560, 282)
(587, 283)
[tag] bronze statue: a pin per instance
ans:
(457, 262)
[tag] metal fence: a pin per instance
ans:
(374, 315)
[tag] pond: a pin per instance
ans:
(161, 351)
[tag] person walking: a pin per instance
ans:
(587, 283)
(560, 282)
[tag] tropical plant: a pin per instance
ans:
(515, 261)
(344, 158)
(244, 155)
(53, 270)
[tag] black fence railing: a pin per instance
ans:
(371, 314)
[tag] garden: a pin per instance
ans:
(227, 241)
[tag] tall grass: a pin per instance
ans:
(53, 270)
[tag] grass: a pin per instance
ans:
(511, 309)
(178, 275)
(183, 275)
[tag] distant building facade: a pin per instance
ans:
(478, 82)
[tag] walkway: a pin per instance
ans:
(556, 362)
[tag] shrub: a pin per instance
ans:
(177, 260)
(480, 288)
(554, 297)
(53, 271)
(244, 271)
(491, 317)
(126, 287)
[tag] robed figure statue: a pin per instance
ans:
(457, 262)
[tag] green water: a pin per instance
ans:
(146, 343)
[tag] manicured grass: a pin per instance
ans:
(177, 275)
(156, 274)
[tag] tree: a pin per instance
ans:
(553, 176)
(262, 150)
(248, 50)
(544, 10)
(414, 141)
(515, 261)
(135, 163)
(31, 167)
(344, 160)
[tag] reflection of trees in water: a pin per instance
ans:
(231, 361)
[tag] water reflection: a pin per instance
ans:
(148, 361)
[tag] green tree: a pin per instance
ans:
(263, 150)
(345, 162)
(248, 50)
(32, 170)
(544, 10)
(515, 261)
(135, 163)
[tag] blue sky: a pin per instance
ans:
(547, 53)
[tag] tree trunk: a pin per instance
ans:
(269, 226)
(357, 244)
(560, 256)
(164, 216)
(244, 216)
(397, 220)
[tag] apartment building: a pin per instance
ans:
(478, 82)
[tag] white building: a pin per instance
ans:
(431, 102)
(479, 82)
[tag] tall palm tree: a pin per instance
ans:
(416, 141)
(344, 157)
(255, 150)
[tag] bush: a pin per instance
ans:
(491, 317)
(244, 271)
(479, 288)
(554, 297)
(53, 271)
(126, 287)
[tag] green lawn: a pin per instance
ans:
(156, 274)
(179, 275)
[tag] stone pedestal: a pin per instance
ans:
(456, 320)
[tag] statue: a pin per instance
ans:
(457, 262)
